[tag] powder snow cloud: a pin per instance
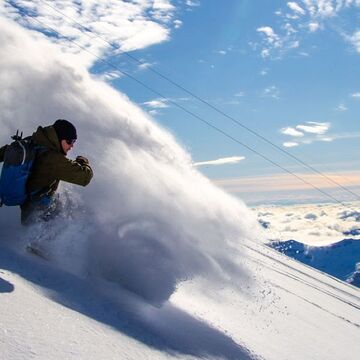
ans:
(148, 217)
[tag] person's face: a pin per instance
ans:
(67, 145)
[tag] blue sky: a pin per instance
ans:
(287, 70)
(224, 54)
(211, 56)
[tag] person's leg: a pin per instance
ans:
(27, 213)
(43, 209)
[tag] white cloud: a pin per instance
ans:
(156, 104)
(294, 44)
(322, 224)
(300, 17)
(291, 131)
(353, 135)
(309, 133)
(145, 65)
(290, 144)
(271, 91)
(265, 53)
(222, 161)
(354, 39)
(274, 44)
(162, 10)
(240, 94)
(326, 138)
(314, 26)
(341, 107)
(193, 3)
(356, 95)
(221, 52)
(163, 5)
(111, 75)
(269, 32)
(289, 29)
(323, 8)
(154, 112)
(313, 127)
(178, 24)
(296, 7)
(128, 25)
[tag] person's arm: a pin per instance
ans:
(2, 153)
(76, 172)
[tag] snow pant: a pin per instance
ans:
(44, 209)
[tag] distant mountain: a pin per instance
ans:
(341, 260)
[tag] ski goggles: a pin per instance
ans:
(70, 142)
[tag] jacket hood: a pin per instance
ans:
(46, 136)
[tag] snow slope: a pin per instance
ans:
(288, 311)
(149, 226)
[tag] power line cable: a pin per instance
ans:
(216, 109)
(186, 110)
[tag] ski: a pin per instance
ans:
(37, 251)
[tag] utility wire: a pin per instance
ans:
(185, 109)
(216, 109)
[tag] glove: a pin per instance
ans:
(82, 160)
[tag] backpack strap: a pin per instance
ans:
(36, 195)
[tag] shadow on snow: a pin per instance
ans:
(167, 328)
(5, 286)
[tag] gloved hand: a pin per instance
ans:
(82, 160)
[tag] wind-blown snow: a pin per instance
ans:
(148, 219)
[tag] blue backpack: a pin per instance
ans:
(18, 161)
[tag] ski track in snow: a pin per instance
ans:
(308, 283)
(321, 288)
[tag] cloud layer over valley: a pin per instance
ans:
(318, 224)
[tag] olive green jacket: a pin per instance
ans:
(52, 165)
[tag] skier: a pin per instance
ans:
(50, 166)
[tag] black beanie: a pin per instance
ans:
(65, 130)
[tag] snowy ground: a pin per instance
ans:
(287, 311)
